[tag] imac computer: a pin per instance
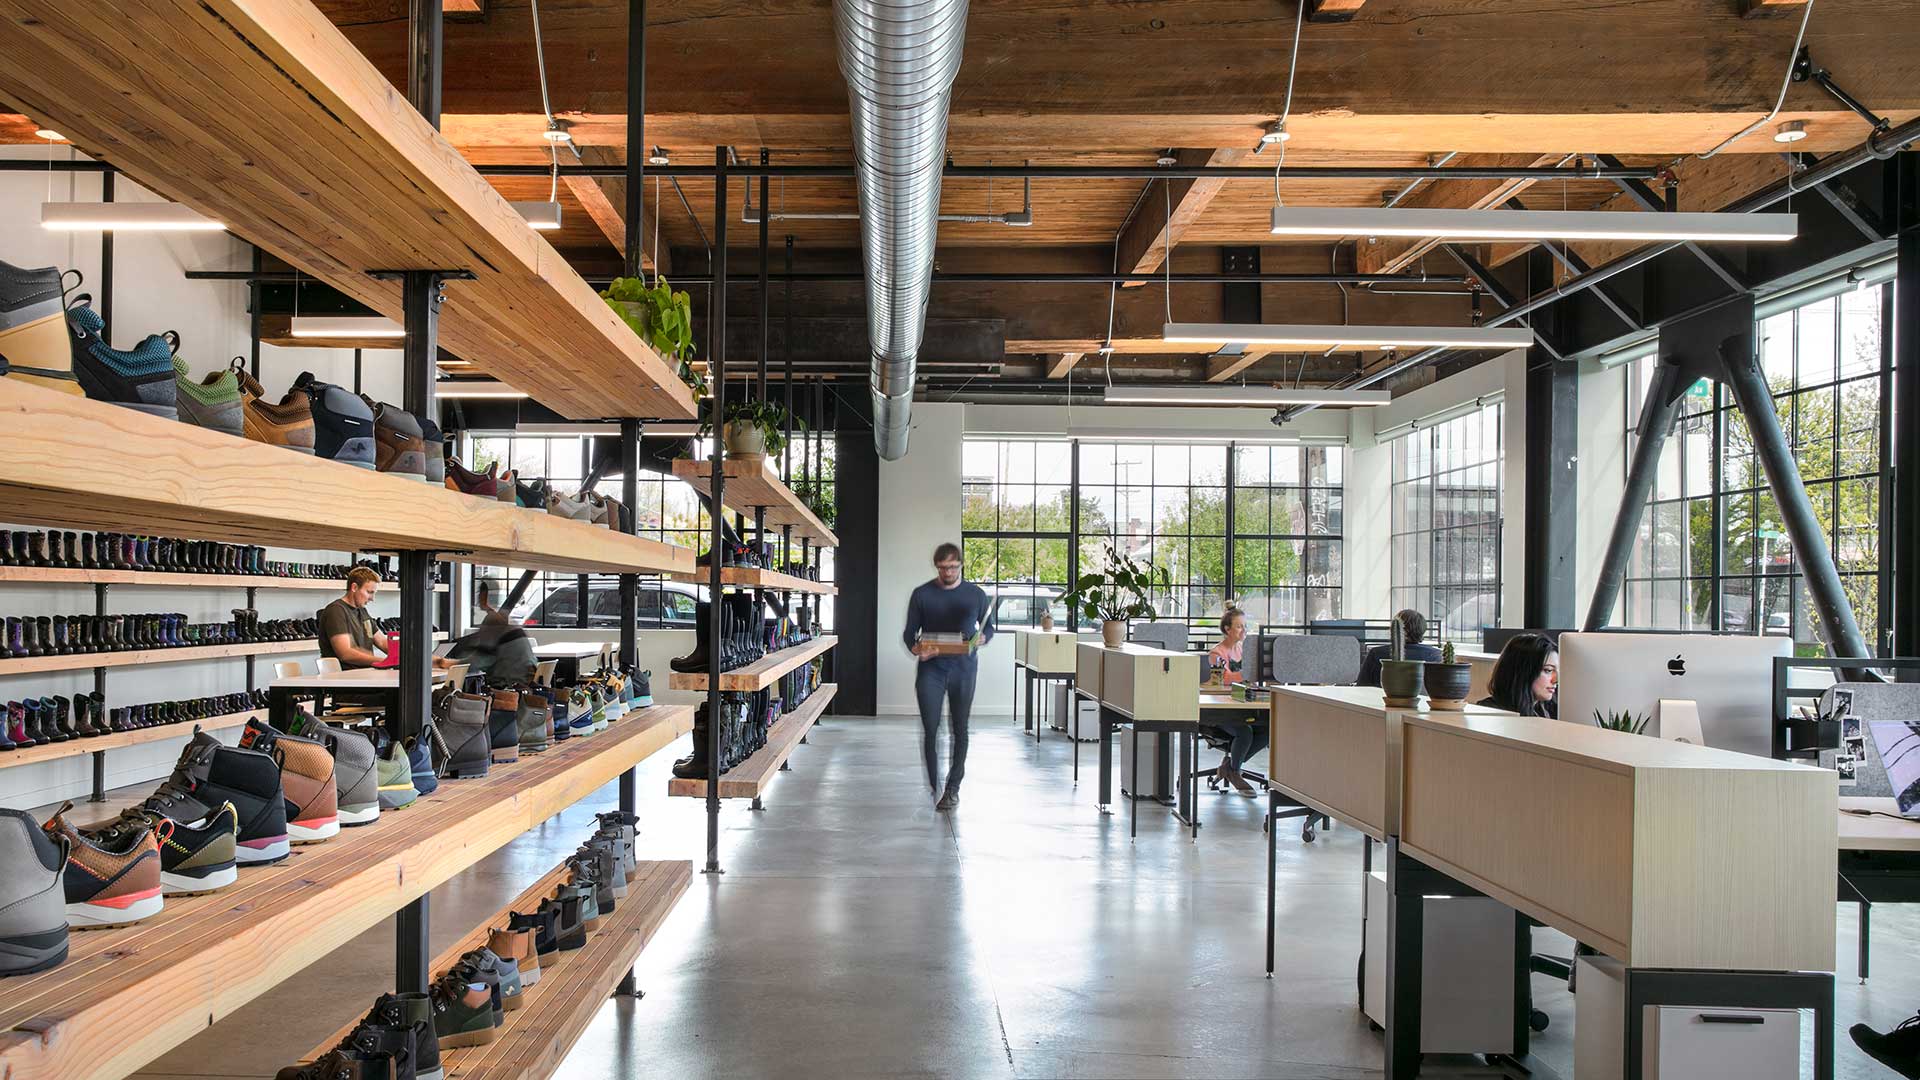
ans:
(1727, 678)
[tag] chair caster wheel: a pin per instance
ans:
(1537, 1020)
(1306, 834)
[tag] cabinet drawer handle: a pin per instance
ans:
(1731, 1018)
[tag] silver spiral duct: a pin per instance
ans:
(899, 58)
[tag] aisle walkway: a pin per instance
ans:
(857, 934)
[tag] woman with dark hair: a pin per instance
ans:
(1526, 678)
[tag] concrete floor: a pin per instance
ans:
(855, 933)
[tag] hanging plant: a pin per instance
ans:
(662, 318)
(745, 418)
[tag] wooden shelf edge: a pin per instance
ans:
(751, 778)
(33, 755)
(763, 489)
(754, 577)
(203, 957)
(33, 665)
(760, 674)
(60, 575)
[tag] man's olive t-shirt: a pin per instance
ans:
(341, 617)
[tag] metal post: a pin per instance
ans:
(1744, 378)
(637, 133)
(765, 316)
(410, 957)
(786, 355)
(106, 264)
(1656, 423)
(630, 583)
(717, 356)
(1552, 455)
(254, 314)
(1904, 569)
(1405, 942)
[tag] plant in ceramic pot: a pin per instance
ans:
(662, 318)
(1117, 594)
(1625, 720)
(1448, 682)
(753, 428)
(1402, 679)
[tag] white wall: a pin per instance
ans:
(151, 294)
(919, 510)
(1603, 473)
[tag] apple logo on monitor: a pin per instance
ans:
(1677, 666)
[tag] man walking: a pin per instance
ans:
(953, 612)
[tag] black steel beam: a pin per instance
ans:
(1567, 257)
(717, 364)
(1001, 277)
(1657, 414)
(636, 164)
(1905, 324)
(1648, 199)
(1501, 296)
(1552, 493)
(1843, 200)
(629, 583)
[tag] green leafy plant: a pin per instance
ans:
(1624, 720)
(814, 494)
(662, 317)
(771, 419)
(1120, 592)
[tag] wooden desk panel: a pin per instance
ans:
(1089, 662)
(1334, 748)
(1661, 854)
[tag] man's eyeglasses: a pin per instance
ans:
(946, 566)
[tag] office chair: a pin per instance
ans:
(286, 669)
(329, 666)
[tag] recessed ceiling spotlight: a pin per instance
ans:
(1276, 133)
(1165, 160)
(556, 132)
(1791, 131)
(49, 134)
(659, 157)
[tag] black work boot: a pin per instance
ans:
(696, 661)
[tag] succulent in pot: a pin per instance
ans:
(1448, 682)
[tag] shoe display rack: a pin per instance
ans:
(535, 1037)
(752, 577)
(99, 744)
(752, 485)
(760, 674)
(751, 778)
(55, 575)
(127, 995)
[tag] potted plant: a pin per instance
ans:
(1116, 595)
(753, 429)
(1448, 682)
(1399, 677)
(1624, 720)
(663, 318)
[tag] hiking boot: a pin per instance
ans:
(519, 948)
(462, 1012)
(354, 769)
(110, 880)
(306, 776)
(1898, 1049)
(196, 857)
(33, 336)
(569, 920)
(398, 446)
(434, 445)
(642, 689)
(287, 423)
(626, 828)
(343, 428)
(602, 854)
(580, 712)
(535, 722)
(543, 925)
(467, 734)
(401, 1027)
(141, 380)
(393, 773)
(213, 402)
(503, 726)
(33, 913)
(210, 774)
(494, 968)
(583, 891)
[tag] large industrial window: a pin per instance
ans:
(1445, 521)
(1161, 503)
(1827, 367)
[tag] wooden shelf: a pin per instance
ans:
(329, 168)
(760, 674)
(72, 462)
(88, 661)
(751, 483)
(33, 755)
(748, 577)
(537, 1036)
(750, 778)
(126, 996)
(55, 575)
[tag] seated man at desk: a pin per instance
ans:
(1224, 665)
(1415, 625)
(347, 632)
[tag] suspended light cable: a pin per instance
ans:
(1786, 80)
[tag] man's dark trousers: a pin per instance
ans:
(951, 678)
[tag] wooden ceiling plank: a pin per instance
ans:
(1220, 368)
(1058, 366)
(1334, 10)
(1162, 215)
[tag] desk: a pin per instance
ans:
(381, 684)
(1042, 656)
(569, 654)
(1879, 861)
(1219, 706)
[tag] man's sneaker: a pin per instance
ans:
(462, 479)
(467, 735)
(398, 445)
(33, 339)
(307, 778)
(434, 442)
(195, 857)
(354, 769)
(210, 774)
(530, 495)
(112, 879)
(1898, 1049)
(141, 380)
(342, 424)
(462, 1012)
(577, 509)
(213, 402)
(643, 689)
(394, 774)
(33, 901)
(518, 947)
(287, 422)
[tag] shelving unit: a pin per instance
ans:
(536, 1037)
(760, 674)
(751, 778)
(752, 484)
(58, 575)
(87, 661)
(33, 755)
(328, 168)
(748, 577)
(125, 996)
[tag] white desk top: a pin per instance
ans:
(576, 650)
(1596, 746)
(354, 679)
(1861, 833)
(1368, 699)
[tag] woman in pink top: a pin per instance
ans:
(1224, 659)
(1248, 738)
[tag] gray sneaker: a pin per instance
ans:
(394, 770)
(33, 899)
(353, 768)
(213, 402)
(465, 733)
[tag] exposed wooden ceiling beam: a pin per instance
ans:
(605, 201)
(1387, 255)
(1058, 366)
(1162, 215)
(1221, 367)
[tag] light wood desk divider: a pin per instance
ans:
(1050, 652)
(1661, 854)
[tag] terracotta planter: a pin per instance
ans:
(1448, 685)
(746, 440)
(1113, 632)
(1046, 620)
(1402, 680)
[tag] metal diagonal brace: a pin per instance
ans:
(1639, 192)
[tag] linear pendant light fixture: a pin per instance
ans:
(124, 216)
(1269, 397)
(345, 326)
(544, 216)
(1337, 221)
(1349, 338)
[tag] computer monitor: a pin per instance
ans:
(1729, 678)
(1495, 638)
